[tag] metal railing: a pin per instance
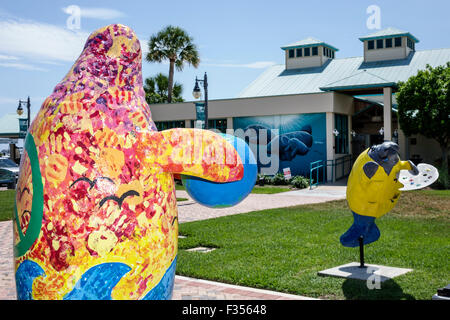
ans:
(316, 165)
(345, 166)
(340, 168)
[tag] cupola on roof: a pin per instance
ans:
(308, 53)
(308, 42)
(387, 33)
(388, 44)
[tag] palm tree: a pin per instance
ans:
(157, 90)
(175, 45)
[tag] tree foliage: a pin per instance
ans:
(173, 44)
(424, 105)
(157, 90)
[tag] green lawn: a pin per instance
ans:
(271, 189)
(283, 249)
(257, 189)
(6, 204)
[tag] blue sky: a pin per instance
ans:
(237, 40)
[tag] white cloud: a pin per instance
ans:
(12, 62)
(40, 41)
(21, 66)
(3, 57)
(97, 13)
(144, 47)
(252, 65)
(5, 100)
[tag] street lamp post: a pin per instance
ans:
(20, 110)
(197, 94)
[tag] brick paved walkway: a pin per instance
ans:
(188, 288)
(196, 289)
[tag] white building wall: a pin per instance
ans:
(303, 62)
(386, 53)
(330, 140)
(343, 103)
(246, 107)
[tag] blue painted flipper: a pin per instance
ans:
(25, 275)
(163, 290)
(362, 226)
(98, 282)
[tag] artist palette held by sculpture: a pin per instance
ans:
(96, 210)
(427, 176)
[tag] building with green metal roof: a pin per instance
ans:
(345, 104)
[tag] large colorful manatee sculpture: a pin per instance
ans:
(96, 212)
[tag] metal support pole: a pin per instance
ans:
(361, 252)
(205, 86)
(28, 110)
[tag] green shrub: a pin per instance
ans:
(299, 182)
(279, 180)
(262, 179)
(443, 182)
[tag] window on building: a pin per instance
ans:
(380, 44)
(398, 42)
(341, 140)
(389, 43)
(410, 43)
(218, 124)
(299, 52)
(307, 52)
(315, 51)
(291, 53)
(332, 54)
(325, 51)
(371, 44)
(164, 125)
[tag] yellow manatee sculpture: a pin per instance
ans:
(373, 190)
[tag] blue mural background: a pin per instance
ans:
(287, 126)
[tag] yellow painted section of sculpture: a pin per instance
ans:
(376, 196)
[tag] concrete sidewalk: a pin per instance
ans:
(192, 211)
(188, 288)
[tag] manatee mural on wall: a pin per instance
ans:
(96, 210)
(300, 140)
